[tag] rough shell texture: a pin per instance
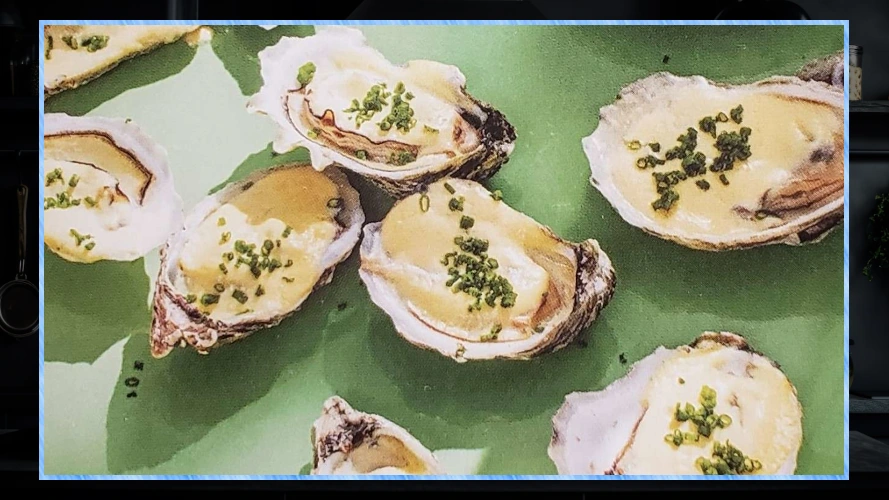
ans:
(828, 69)
(617, 409)
(176, 322)
(161, 209)
(280, 62)
(594, 287)
(635, 98)
(66, 82)
(341, 429)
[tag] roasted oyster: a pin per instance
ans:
(462, 273)
(250, 254)
(108, 190)
(752, 165)
(76, 54)
(828, 69)
(349, 442)
(399, 126)
(712, 407)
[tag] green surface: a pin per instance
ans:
(247, 408)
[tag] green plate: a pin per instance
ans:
(247, 408)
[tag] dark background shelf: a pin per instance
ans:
(869, 107)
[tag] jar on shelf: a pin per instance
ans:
(856, 54)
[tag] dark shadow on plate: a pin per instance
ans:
(231, 43)
(83, 317)
(137, 72)
(262, 160)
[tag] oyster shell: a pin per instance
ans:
(786, 188)
(109, 193)
(76, 54)
(828, 69)
(622, 428)
(250, 254)
(399, 126)
(349, 442)
(537, 294)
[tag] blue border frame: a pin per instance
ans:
(845, 474)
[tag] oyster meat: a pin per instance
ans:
(76, 54)
(461, 272)
(109, 193)
(349, 442)
(712, 407)
(399, 126)
(250, 254)
(752, 165)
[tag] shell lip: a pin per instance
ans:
(809, 228)
(177, 322)
(594, 282)
(158, 197)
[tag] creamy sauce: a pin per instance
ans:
(766, 418)
(415, 243)
(123, 41)
(294, 197)
(386, 455)
(784, 135)
(113, 208)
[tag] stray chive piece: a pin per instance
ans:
(223, 268)
(681, 380)
(306, 73)
(726, 459)
(736, 114)
(760, 215)
(191, 298)
(655, 146)
(74, 180)
(723, 179)
(704, 185)
(209, 299)
(456, 204)
(708, 126)
(313, 133)
(466, 222)
(649, 161)
(240, 296)
(89, 246)
(48, 49)
(335, 203)
(94, 43)
(497, 195)
(721, 117)
(260, 291)
(461, 350)
(401, 158)
(634, 145)
(55, 175)
(225, 237)
(288, 263)
(80, 238)
(424, 202)
(286, 232)
(449, 188)
(70, 42)
(666, 201)
(493, 334)
(288, 279)
(219, 287)
(361, 154)
(429, 130)
(221, 221)
(90, 201)
(131, 382)
(538, 329)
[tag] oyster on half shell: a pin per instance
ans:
(76, 54)
(752, 165)
(674, 406)
(349, 442)
(462, 273)
(108, 190)
(399, 126)
(250, 254)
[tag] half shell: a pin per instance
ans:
(622, 428)
(109, 193)
(786, 188)
(828, 69)
(320, 91)
(77, 54)
(349, 442)
(410, 263)
(250, 254)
